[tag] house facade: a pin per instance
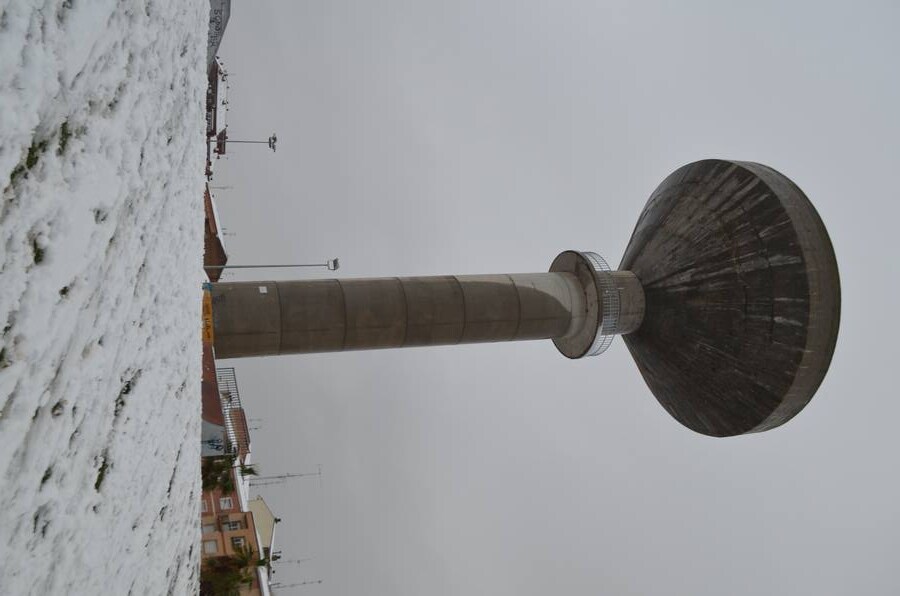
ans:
(229, 531)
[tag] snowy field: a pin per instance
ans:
(101, 162)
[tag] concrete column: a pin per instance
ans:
(269, 318)
(631, 301)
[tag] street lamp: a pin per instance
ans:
(270, 142)
(330, 264)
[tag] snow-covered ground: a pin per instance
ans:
(101, 162)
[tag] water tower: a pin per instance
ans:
(728, 298)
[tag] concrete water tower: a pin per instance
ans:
(728, 298)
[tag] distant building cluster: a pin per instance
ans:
(237, 531)
(216, 89)
(216, 110)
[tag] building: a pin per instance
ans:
(235, 530)
(226, 529)
(229, 533)
(219, 13)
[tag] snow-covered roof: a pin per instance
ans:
(215, 213)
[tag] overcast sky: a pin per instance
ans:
(420, 138)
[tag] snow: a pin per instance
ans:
(101, 222)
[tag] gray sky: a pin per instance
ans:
(420, 138)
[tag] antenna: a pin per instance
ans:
(307, 583)
(280, 478)
(280, 561)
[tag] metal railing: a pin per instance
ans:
(609, 309)
(230, 398)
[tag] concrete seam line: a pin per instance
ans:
(280, 316)
(465, 314)
(344, 301)
(406, 306)
(519, 302)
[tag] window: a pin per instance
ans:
(203, 507)
(232, 526)
(225, 503)
(210, 547)
(238, 542)
(209, 528)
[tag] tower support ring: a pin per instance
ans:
(613, 302)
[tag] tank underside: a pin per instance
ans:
(742, 297)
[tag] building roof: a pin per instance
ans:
(213, 247)
(265, 521)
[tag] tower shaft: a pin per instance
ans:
(294, 317)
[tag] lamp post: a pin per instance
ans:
(222, 140)
(330, 264)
